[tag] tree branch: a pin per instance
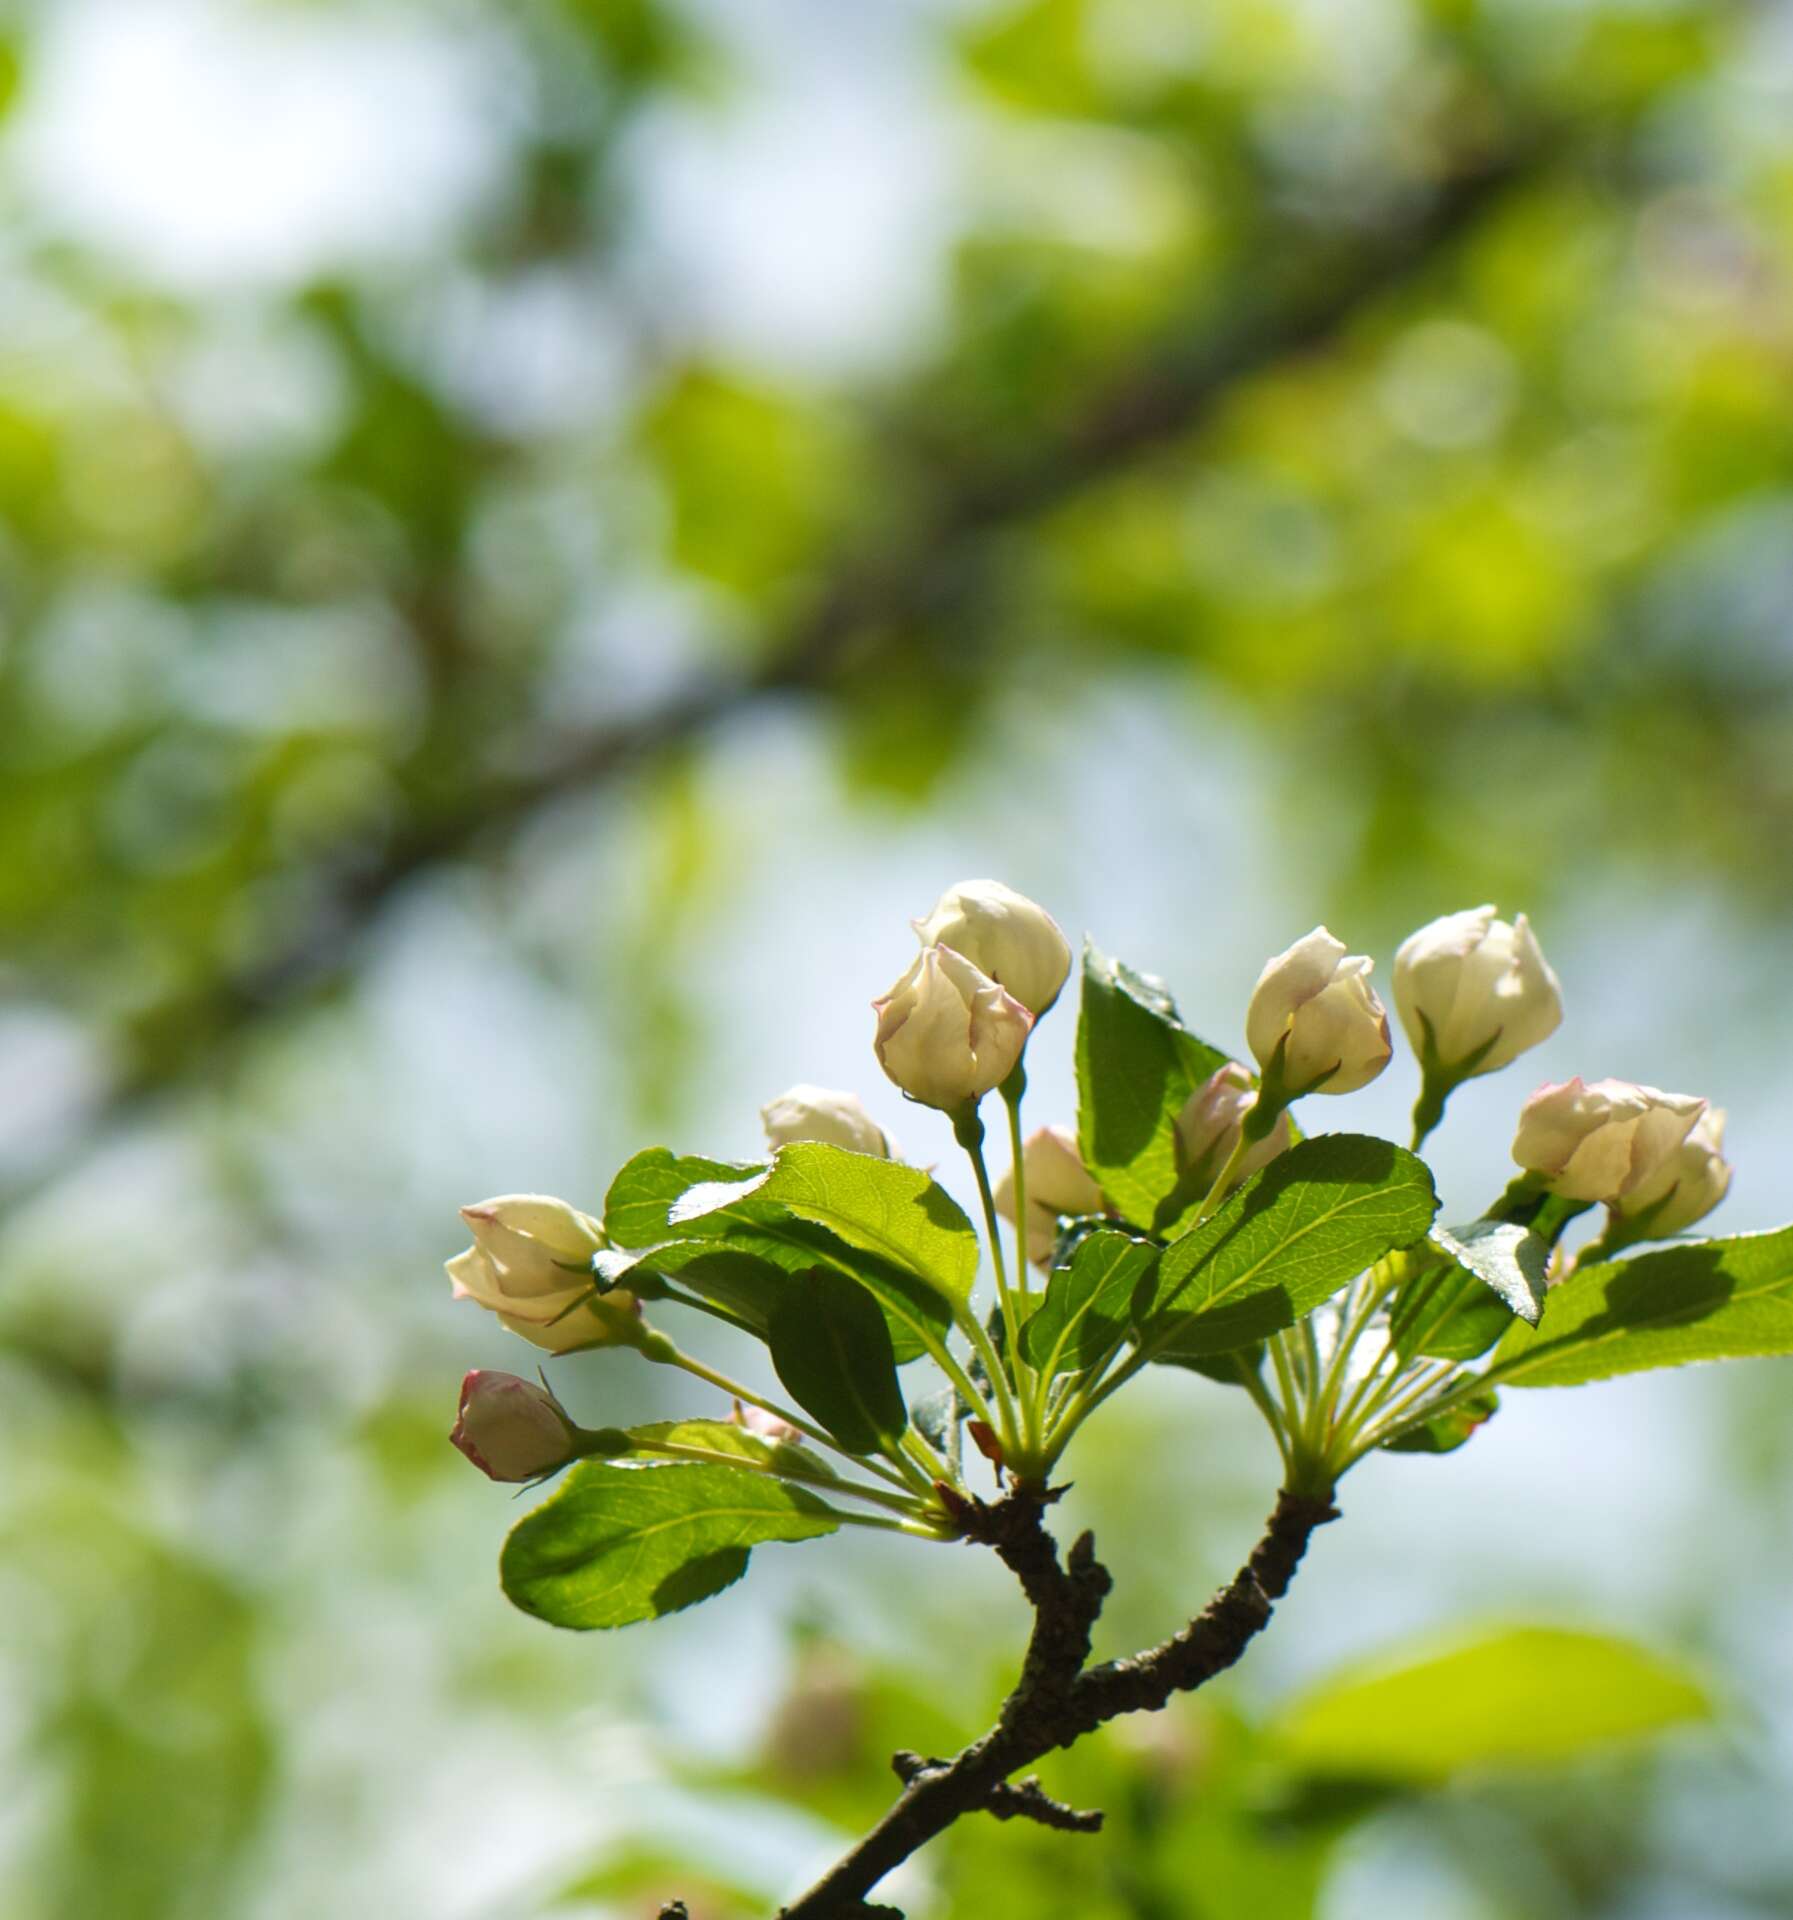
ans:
(1057, 1700)
(870, 601)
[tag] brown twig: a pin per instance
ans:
(1058, 1698)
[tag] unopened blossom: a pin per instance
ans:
(530, 1263)
(1315, 1002)
(1058, 1183)
(819, 1113)
(1208, 1129)
(1005, 935)
(1604, 1140)
(768, 1426)
(1688, 1184)
(1473, 988)
(947, 1033)
(511, 1429)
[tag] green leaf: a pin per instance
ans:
(1222, 1368)
(619, 1544)
(1447, 1431)
(832, 1351)
(647, 1187)
(1509, 1260)
(787, 1457)
(1701, 1300)
(737, 1278)
(760, 1239)
(1089, 1303)
(1518, 1696)
(1137, 1065)
(896, 1212)
(1289, 1238)
(1446, 1314)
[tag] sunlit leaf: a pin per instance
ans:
(1702, 1300)
(1089, 1303)
(619, 1544)
(1137, 1065)
(1290, 1237)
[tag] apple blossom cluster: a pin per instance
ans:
(802, 1255)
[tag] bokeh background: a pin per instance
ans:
(534, 534)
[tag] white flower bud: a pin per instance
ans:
(817, 1113)
(1208, 1129)
(1057, 1183)
(767, 1426)
(530, 1263)
(1005, 935)
(1475, 982)
(511, 1429)
(947, 1033)
(1316, 1002)
(1605, 1140)
(1688, 1184)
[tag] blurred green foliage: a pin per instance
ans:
(1409, 383)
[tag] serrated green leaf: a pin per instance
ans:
(758, 1234)
(897, 1213)
(1089, 1303)
(832, 1350)
(620, 1544)
(647, 1187)
(1727, 1299)
(788, 1457)
(1137, 1065)
(1442, 1310)
(740, 1279)
(1509, 1260)
(1518, 1696)
(1288, 1239)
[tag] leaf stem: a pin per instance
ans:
(825, 1482)
(660, 1349)
(1035, 1413)
(1018, 1434)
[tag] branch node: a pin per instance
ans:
(910, 1767)
(1031, 1801)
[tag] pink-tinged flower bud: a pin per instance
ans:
(1477, 989)
(1208, 1129)
(530, 1263)
(1016, 942)
(947, 1033)
(817, 1113)
(1688, 1184)
(1316, 1003)
(1058, 1183)
(512, 1429)
(1605, 1140)
(767, 1425)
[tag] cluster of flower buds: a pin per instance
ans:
(956, 1024)
(1473, 992)
(1654, 1158)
